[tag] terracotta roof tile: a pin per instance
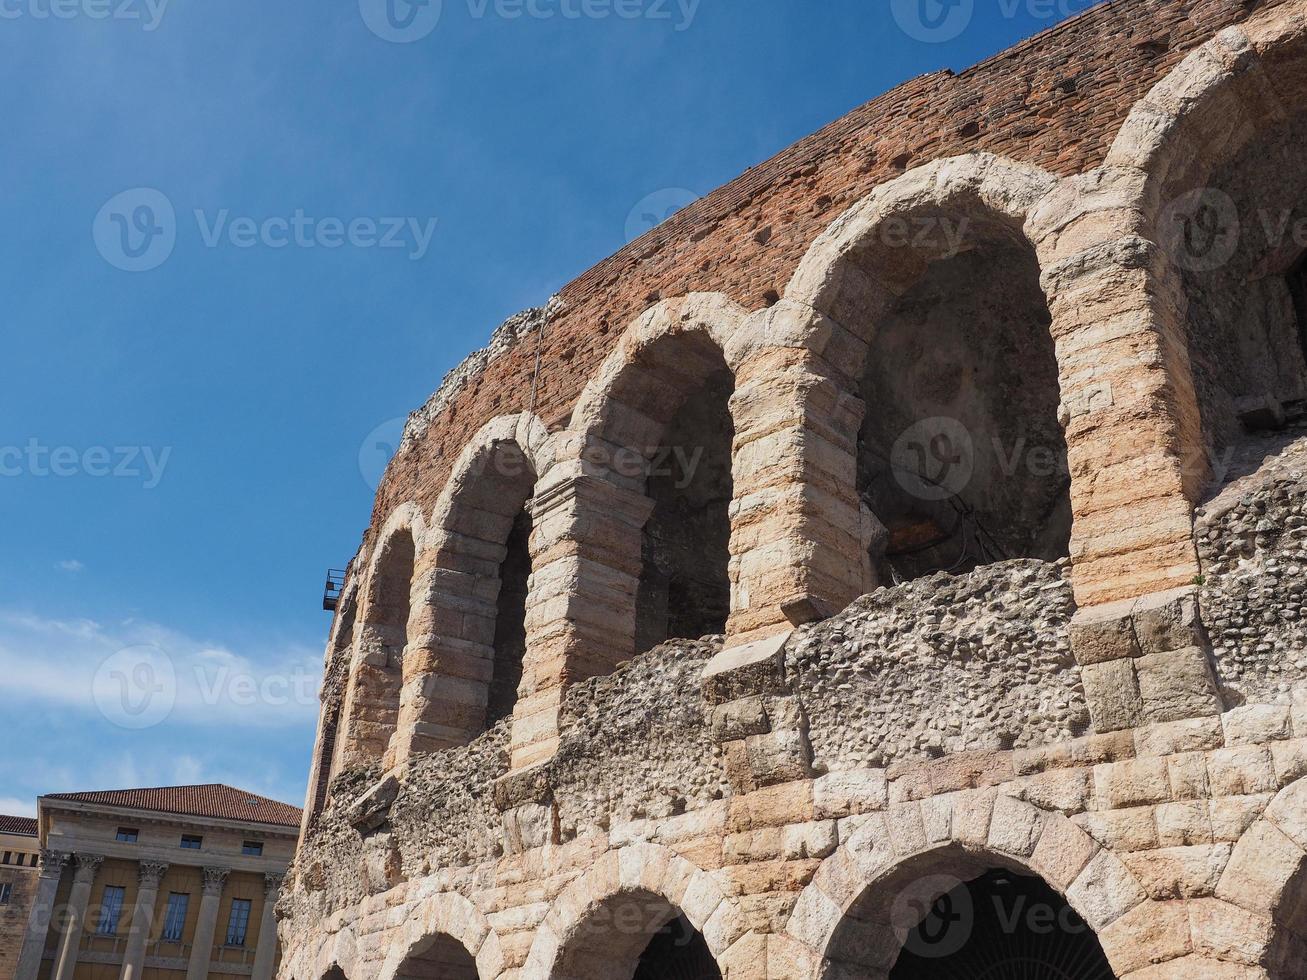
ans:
(206, 800)
(23, 826)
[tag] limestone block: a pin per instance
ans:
(528, 826)
(1015, 826)
(904, 827)
(1188, 776)
(778, 757)
(1066, 790)
(1229, 932)
(1167, 621)
(814, 918)
(817, 839)
(1134, 829)
(1264, 861)
(1150, 933)
(755, 668)
(1112, 694)
(1232, 815)
(1183, 824)
(1290, 760)
(1179, 872)
(839, 794)
(1177, 684)
(1103, 633)
(739, 719)
(1104, 890)
(1257, 723)
(1187, 735)
(1132, 783)
(1241, 771)
(1062, 852)
(1288, 811)
(772, 806)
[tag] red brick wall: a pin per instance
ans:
(1056, 100)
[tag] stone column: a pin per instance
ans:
(207, 924)
(580, 616)
(265, 956)
(38, 923)
(800, 541)
(151, 873)
(75, 921)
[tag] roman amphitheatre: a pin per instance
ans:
(890, 566)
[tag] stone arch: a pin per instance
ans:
(381, 636)
(657, 419)
(445, 937)
(956, 835)
(926, 301)
(1258, 916)
(1212, 158)
(592, 509)
(620, 902)
(336, 956)
(465, 669)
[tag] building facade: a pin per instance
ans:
(19, 859)
(174, 882)
(890, 566)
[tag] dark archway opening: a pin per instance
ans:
(685, 589)
(335, 973)
(1288, 950)
(1001, 926)
(439, 958)
(961, 454)
(1296, 279)
(510, 621)
(677, 952)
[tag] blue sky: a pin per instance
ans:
(185, 450)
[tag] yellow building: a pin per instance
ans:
(157, 884)
(19, 857)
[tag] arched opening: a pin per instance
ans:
(335, 973)
(373, 701)
(683, 386)
(479, 598)
(1238, 241)
(510, 620)
(950, 915)
(440, 957)
(636, 936)
(961, 454)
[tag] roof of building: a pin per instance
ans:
(204, 800)
(19, 826)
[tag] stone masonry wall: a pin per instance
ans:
(1056, 100)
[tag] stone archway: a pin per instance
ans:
(1213, 156)
(641, 911)
(915, 853)
(1258, 916)
(370, 714)
(445, 937)
(465, 669)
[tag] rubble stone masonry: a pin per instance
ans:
(894, 566)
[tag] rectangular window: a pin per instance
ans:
(128, 835)
(6, 892)
(7, 854)
(191, 842)
(111, 908)
(174, 920)
(238, 922)
(252, 847)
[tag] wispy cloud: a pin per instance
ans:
(14, 806)
(71, 565)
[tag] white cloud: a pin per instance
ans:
(70, 565)
(138, 673)
(14, 806)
